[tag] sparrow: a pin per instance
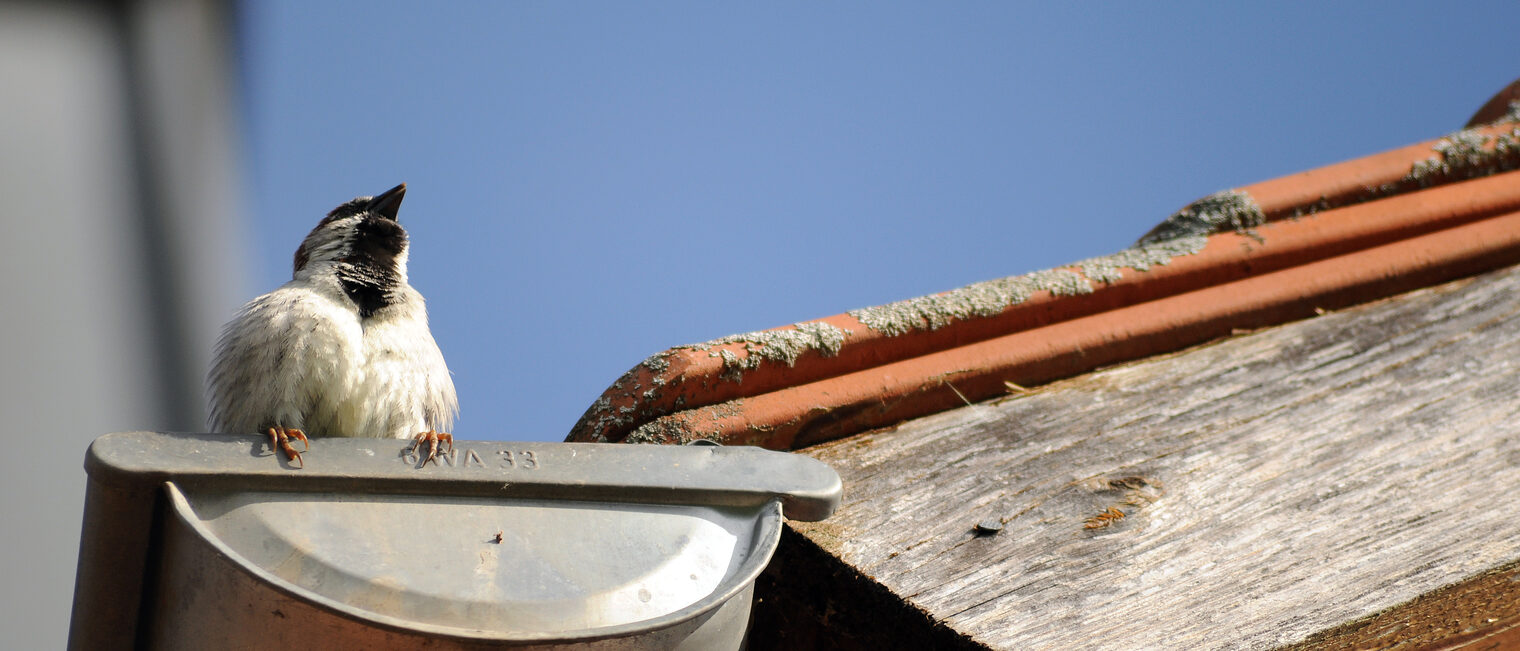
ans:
(343, 349)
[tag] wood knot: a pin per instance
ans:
(1127, 495)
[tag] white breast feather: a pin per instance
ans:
(339, 376)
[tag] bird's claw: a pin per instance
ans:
(432, 438)
(279, 438)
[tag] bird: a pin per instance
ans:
(343, 349)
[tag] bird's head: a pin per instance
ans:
(363, 244)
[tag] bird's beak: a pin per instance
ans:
(387, 203)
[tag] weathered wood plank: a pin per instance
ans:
(1272, 486)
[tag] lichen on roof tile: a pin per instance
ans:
(600, 417)
(658, 431)
(1466, 154)
(657, 364)
(676, 429)
(1140, 257)
(1224, 210)
(1060, 282)
(779, 345)
(991, 297)
(604, 414)
(976, 300)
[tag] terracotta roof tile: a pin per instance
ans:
(1249, 257)
(1503, 105)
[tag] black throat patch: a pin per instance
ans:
(368, 274)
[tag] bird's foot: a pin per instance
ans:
(433, 438)
(279, 439)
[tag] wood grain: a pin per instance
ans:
(1276, 485)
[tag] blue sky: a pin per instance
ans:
(591, 183)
